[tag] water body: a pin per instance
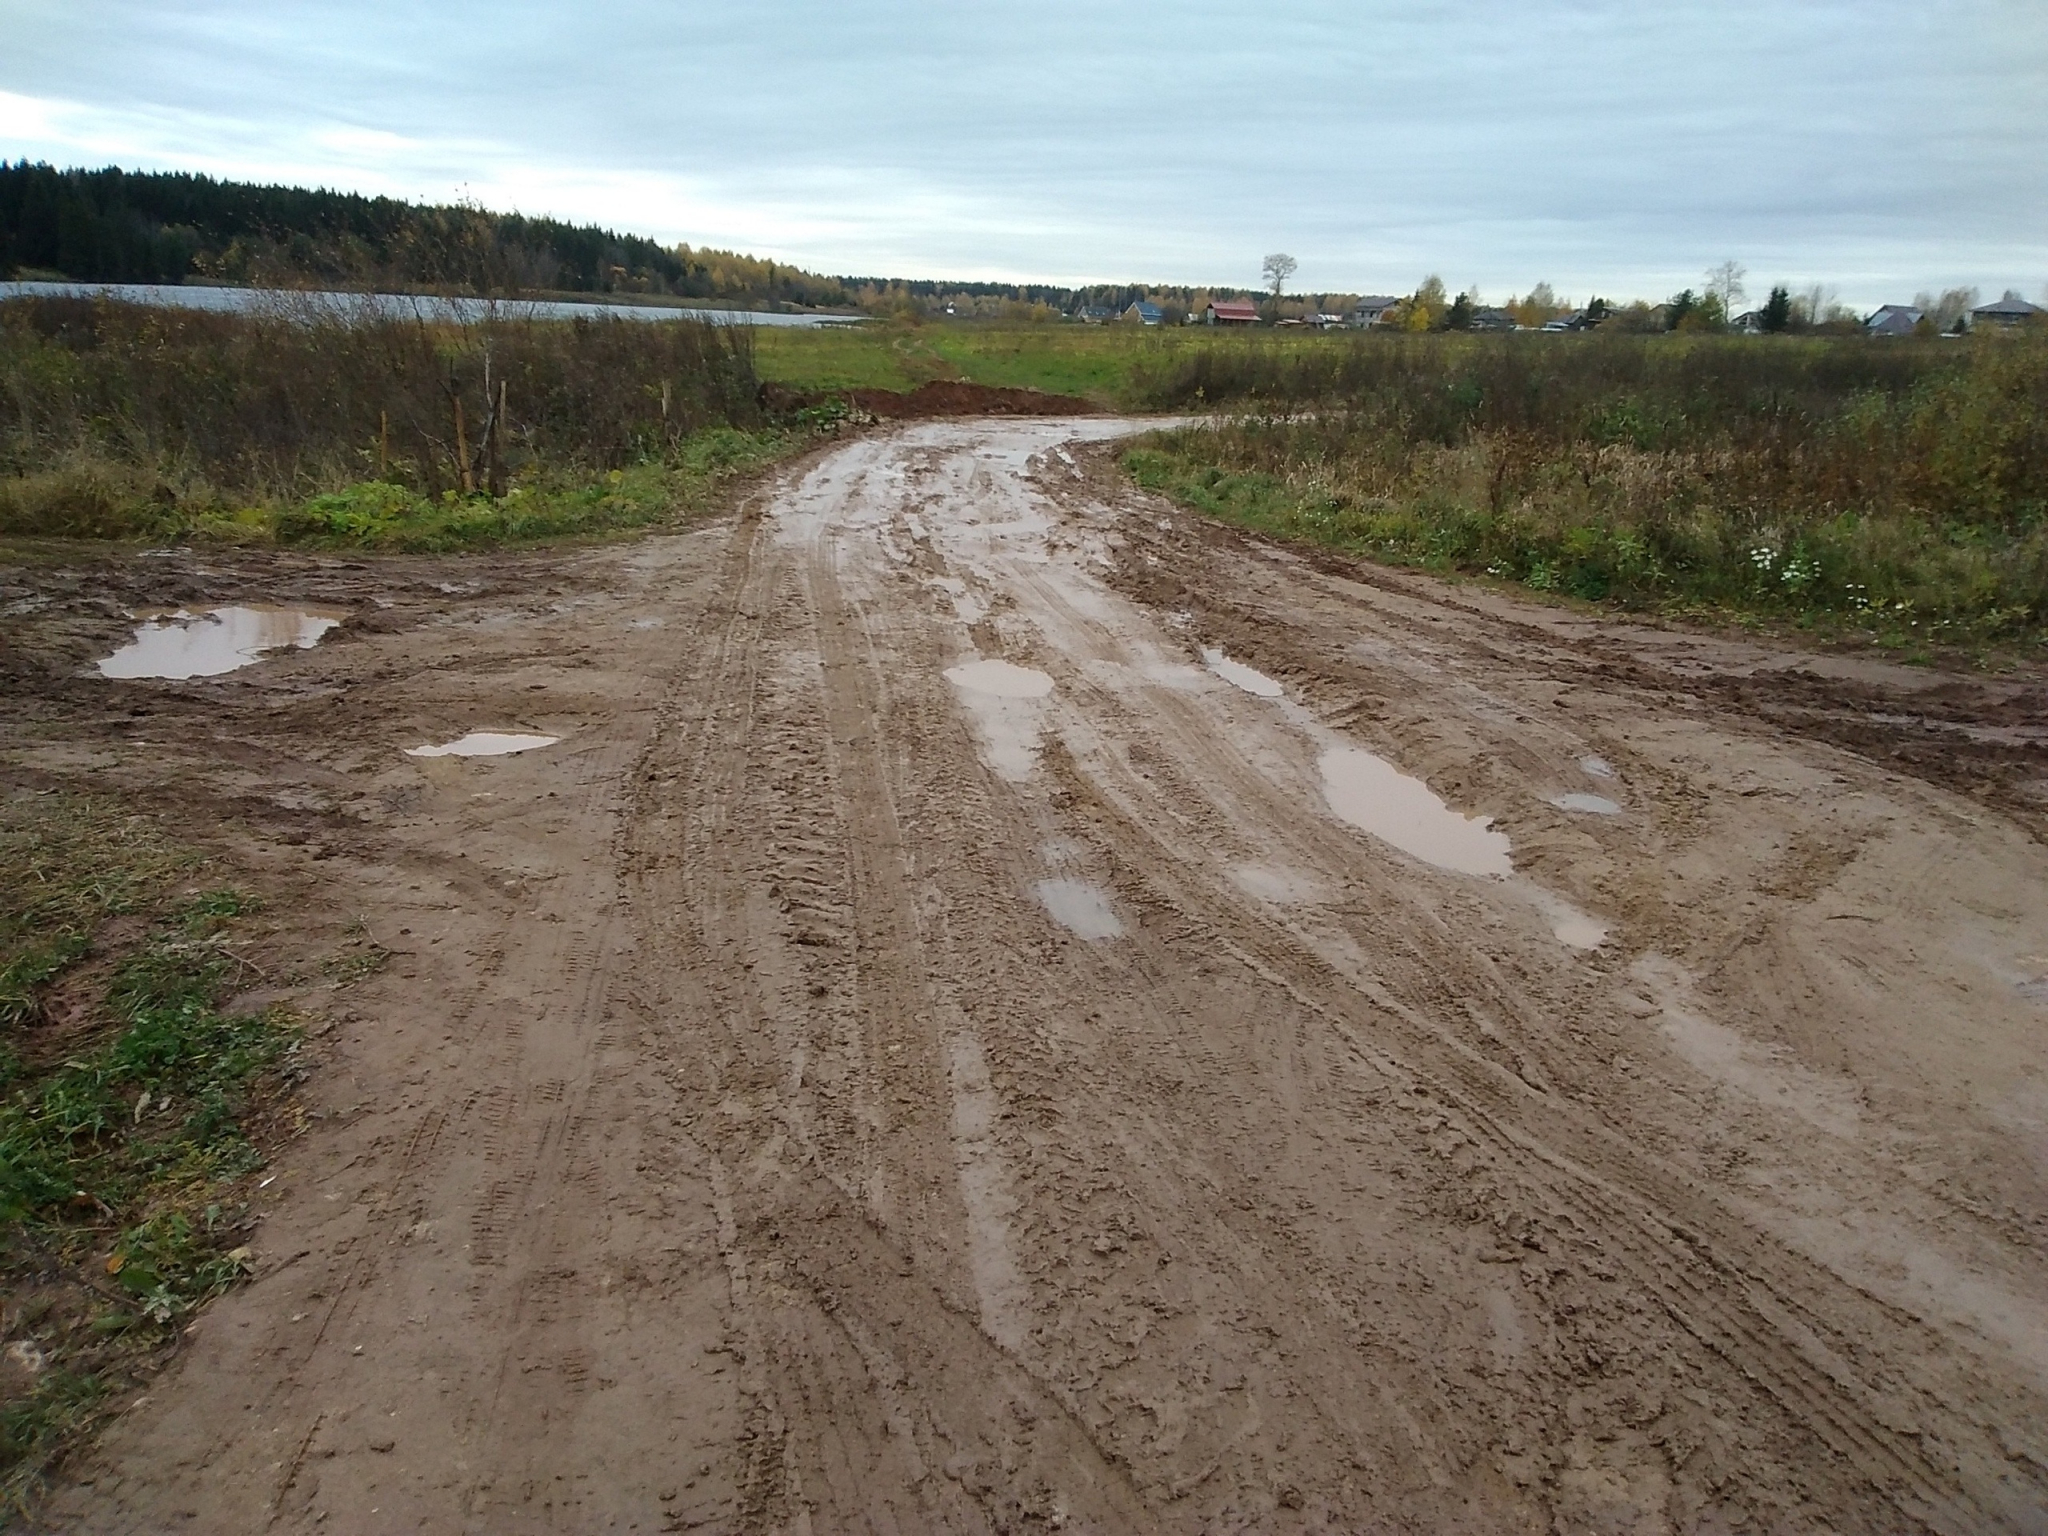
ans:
(1239, 675)
(1079, 907)
(1598, 767)
(324, 305)
(1370, 792)
(218, 640)
(484, 744)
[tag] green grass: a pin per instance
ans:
(123, 1091)
(1901, 583)
(374, 514)
(1113, 365)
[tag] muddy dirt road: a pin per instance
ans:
(976, 1026)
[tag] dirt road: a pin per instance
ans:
(949, 1041)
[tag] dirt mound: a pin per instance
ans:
(937, 398)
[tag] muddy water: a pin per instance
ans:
(1370, 792)
(484, 744)
(1001, 678)
(182, 644)
(1004, 700)
(1591, 805)
(1238, 675)
(1079, 907)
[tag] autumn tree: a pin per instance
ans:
(1278, 268)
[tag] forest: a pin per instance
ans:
(118, 226)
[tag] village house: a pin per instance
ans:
(1231, 312)
(1493, 320)
(2005, 314)
(1373, 310)
(1142, 313)
(1894, 320)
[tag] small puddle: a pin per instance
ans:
(1370, 792)
(182, 644)
(1079, 907)
(484, 744)
(1236, 673)
(1001, 678)
(1573, 928)
(1592, 805)
(1598, 767)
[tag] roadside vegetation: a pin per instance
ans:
(1896, 489)
(124, 421)
(126, 1100)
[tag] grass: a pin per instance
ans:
(1894, 494)
(123, 1094)
(119, 421)
(1113, 365)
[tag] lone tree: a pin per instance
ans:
(1725, 283)
(1278, 268)
(1778, 311)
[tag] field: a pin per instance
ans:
(1119, 366)
(131, 423)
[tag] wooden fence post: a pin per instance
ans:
(462, 452)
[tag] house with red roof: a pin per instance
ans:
(1231, 312)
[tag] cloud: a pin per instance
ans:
(1595, 143)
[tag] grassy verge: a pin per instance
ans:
(96, 499)
(1121, 366)
(1905, 583)
(124, 1092)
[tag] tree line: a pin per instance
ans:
(118, 226)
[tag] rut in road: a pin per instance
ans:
(950, 1040)
(1272, 1202)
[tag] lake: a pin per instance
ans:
(401, 305)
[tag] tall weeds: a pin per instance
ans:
(1801, 476)
(110, 414)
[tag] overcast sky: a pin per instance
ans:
(1617, 146)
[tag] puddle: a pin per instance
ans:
(184, 644)
(1598, 767)
(1371, 793)
(1592, 805)
(1278, 884)
(484, 744)
(1004, 700)
(1000, 678)
(1079, 907)
(1239, 675)
(1573, 928)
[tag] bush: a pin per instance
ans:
(120, 420)
(1897, 485)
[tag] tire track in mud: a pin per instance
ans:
(1777, 1336)
(874, 1392)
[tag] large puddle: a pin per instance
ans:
(1238, 675)
(1080, 908)
(484, 744)
(183, 644)
(1371, 793)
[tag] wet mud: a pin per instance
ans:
(934, 1047)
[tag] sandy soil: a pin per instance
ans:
(826, 1094)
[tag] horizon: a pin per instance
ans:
(1881, 152)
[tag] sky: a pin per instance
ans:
(1619, 147)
